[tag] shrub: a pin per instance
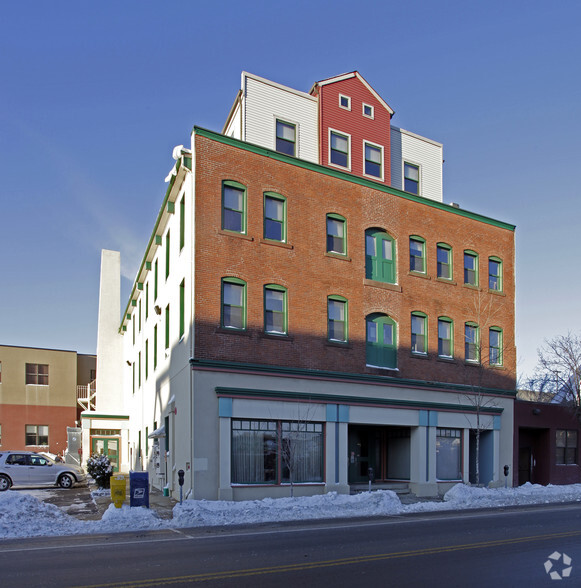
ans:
(100, 469)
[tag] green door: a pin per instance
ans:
(109, 447)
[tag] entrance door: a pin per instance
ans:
(107, 446)
(363, 450)
(524, 465)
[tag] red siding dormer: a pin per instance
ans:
(354, 127)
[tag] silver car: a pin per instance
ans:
(26, 468)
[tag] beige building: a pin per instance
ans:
(38, 396)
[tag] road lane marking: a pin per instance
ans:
(231, 574)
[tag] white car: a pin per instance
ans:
(26, 468)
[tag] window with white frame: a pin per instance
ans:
(339, 149)
(344, 102)
(368, 110)
(411, 178)
(286, 137)
(373, 160)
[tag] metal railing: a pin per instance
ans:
(86, 396)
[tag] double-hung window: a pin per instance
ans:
(419, 333)
(417, 255)
(565, 447)
(275, 310)
(444, 261)
(336, 234)
(274, 217)
(379, 256)
(495, 346)
(445, 337)
(37, 373)
(411, 178)
(36, 435)
(285, 137)
(471, 343)
(381, 341)
(495, 274)
(373, 161)
(339, 149)
(337, 319)
(167, 257)
(470, 268)
(233, 304)
(233, 207)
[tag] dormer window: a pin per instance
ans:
(367, 110)
(345, 102)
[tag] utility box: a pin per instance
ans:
(139, 489)
(118, 490)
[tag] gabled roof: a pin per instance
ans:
(354, 74)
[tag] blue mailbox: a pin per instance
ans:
(139, 489)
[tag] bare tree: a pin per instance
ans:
(558, 370)
(478, 361)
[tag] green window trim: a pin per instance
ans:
(444, 258)
(445, 337)
(146, 359)
(182, 222)
(167, 331)
(234, 207)
(133, 370)
(139, 370)
(146, 300)
(155, 276)
(419, 333)
(381, 341)
(495, 346)
(380, 264)
(417, 254)
(471, 268)
(167, 254)
(182, 308)
(233, 304)
(495, 274)
(275, 225)
(336, 228)
(275, 310)
(471, 342)
(337, 319)
(139, 315)
(155, 347)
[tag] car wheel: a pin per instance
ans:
(5, 483)
(66, 481)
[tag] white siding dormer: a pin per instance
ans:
(263, 102)
(424, 153)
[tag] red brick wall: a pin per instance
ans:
(311, 275)
(361, 128)
(14, 418)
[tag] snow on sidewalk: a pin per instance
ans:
(24, 515)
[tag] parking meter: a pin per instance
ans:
(506, 469)
(181, 483)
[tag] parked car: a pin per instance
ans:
(26, 468)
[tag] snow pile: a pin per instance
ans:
(461, 496)
(23, 515)
(118, 520)
(198, 513)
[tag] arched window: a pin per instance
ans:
(337, 319)
(379, 256)
(495, 274)
(471, 268)
(336, 234)
(419, 333)
(471, 342)
(444, 261)
(233, 207)
(275, 310)
(417, 254)
(495, 346)
(233, 304)
(445, 337)
(381, 341)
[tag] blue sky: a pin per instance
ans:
(94, 96)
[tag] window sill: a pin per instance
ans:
(276, 243)
(418, 355)
(235, 234)
(339, 344)
(496, 366)
(384, 285)
(472, 363)
(496, 292)
(446, 281)
(337, 166)
(337, 255)
(276, 336)
(419, 275)
(470, 287)
(380, 367)
(242, 332)
(446, 359)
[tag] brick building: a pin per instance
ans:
(308, 308)
(38, 396)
